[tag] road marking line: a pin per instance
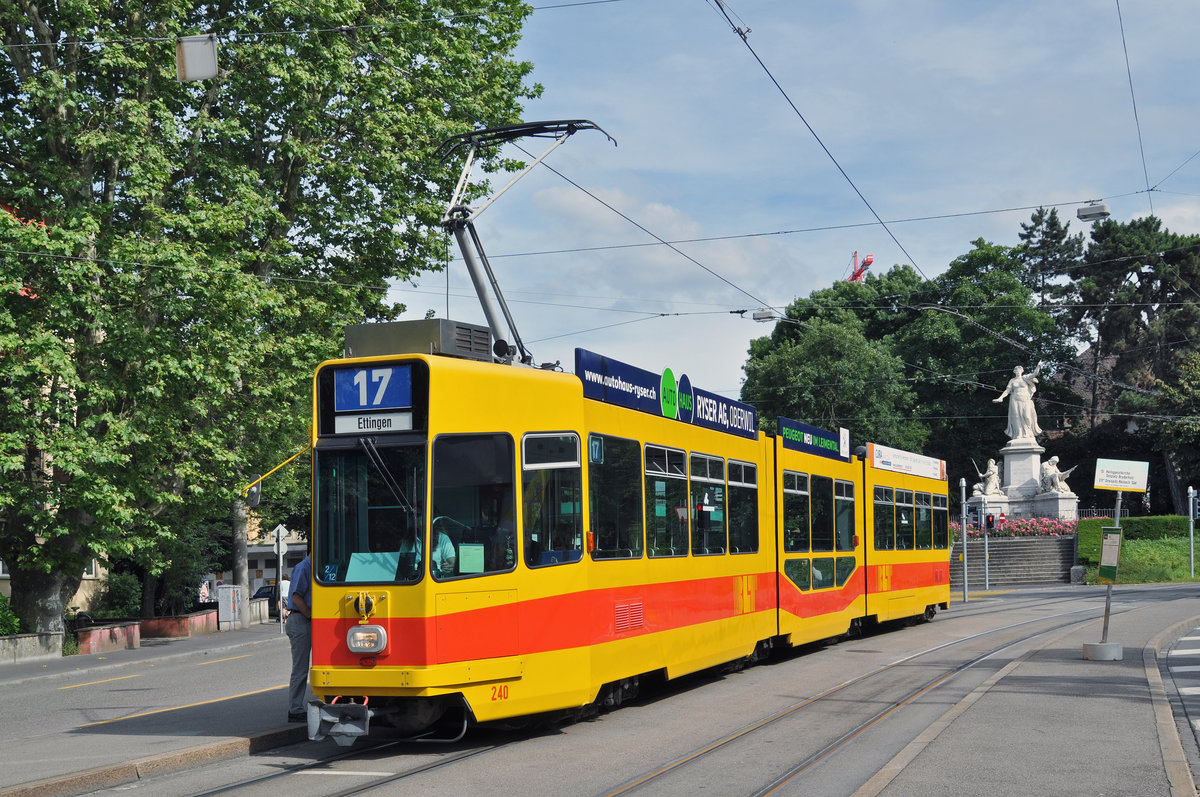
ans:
(218, 661)
(106, 680)
(189, 705)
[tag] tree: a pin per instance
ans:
(1048, 252)
(830, 365)
(180, 255)
(1138, 311)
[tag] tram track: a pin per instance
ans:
(827, 722)
(734, 746)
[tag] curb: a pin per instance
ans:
(105, 777)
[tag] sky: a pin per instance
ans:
(950, 121)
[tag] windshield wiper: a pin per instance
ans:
(376, 459)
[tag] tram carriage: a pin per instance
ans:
(494, 542)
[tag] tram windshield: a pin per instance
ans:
(369, 514)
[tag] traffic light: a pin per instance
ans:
(991, 522)
(1195, 506)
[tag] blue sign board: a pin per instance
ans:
(614, 382)
(813, 440)
(382, 387)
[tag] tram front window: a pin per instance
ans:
(369, 514)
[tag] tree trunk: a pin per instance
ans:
(149, 588)
(241, 573)
(39, 599)
(1178, 494)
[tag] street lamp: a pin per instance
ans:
(1093, 211)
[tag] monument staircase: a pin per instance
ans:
(1014, 561)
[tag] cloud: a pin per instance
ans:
(933, 109)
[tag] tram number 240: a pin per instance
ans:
(500, 692)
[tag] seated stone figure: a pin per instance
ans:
(1052, 479)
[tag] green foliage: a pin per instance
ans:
(1150, 562)
(187, 252)
(1090, 537)
(121, 597)
(9, 624)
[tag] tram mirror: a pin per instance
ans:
(254, 493)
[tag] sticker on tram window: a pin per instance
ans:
(330, 573)
(387, 387)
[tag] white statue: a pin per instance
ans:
(1053, 480)
(989, 480)
(1022, 417)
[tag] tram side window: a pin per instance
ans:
(844, 509)
(905, 522)
(552, 494)
(941, 522)
(615, 496)
(666, 502)
(822, 516)
(795, 512)
(743, 507)
(885, 519)
(473, 504)
(924, 518)
(708, 505)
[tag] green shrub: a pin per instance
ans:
(121, 598)
(9, 624)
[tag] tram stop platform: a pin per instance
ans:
(1051, 722)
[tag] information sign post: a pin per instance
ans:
(281, 547)
(962, 486)
(1118, 475)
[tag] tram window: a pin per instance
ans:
(473, 504)
(905, 523)
(843, 568)
(552, 496)
(615, 496)
(885, 519)
(823, 572)
(369, 515)
(799, 572)
(666, 502)
(924, 521)
(844, 508)
(708, 505)
(822, 515)
(795, 512)
(941, 522)
(743, 507)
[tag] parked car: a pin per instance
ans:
(271, 592)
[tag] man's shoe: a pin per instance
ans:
(297, 717)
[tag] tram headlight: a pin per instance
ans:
(366, 639)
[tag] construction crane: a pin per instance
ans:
(857, 270)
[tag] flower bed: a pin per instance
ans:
(1022, 527)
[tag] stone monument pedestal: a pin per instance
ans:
(1064, 506)
(1022, 468)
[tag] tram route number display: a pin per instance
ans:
(373, 399)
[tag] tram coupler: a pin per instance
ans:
(342, 722)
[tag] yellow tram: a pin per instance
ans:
(493, 542)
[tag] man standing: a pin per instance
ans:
(299, 631)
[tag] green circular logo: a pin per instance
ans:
(668, 395)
